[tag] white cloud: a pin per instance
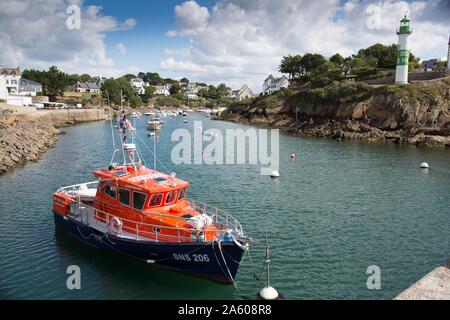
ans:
(122, 49)
(240, 41)
(183, 66)
(34, 34)
(190, 15)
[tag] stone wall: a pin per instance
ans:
(62, 118)
(412, 76)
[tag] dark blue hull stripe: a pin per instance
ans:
(203, 260)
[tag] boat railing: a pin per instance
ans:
(72, 190)
(140, 230)
(223, 221)
(218, 215)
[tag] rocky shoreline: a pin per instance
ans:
(23, 140)
(418, 114)
(26, 134)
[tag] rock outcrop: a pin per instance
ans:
(418, 113)
(23, 140)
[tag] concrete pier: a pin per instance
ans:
(433, 286)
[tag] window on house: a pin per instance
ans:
(139, 200)
(111, 191)
(124, 196)
(171, 197)
(156, 200)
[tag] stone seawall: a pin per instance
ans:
(63, 118)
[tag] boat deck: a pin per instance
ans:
(86, 215)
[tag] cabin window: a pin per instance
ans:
(171, 197)
(156, 200)
(111, 191)
(182, 193)
(124, 196)
(139, 200)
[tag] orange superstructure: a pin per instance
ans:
(148, 203)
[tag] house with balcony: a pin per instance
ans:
(272, 84)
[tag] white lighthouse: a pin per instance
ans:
(448, 54)
(401, 72)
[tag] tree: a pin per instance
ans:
(74, 78)
(153, 79)
(135, 101)
(55, 83)
(337, 59)
(113, 89)
(175, 88)
(149, 93)
(414, 62)
(222, 90)
(311, 62)
(85, 77)
(184, 80)
(386, 56)
(441, 65)
(291, 66)
(129, 76)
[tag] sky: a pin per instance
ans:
(215, 41)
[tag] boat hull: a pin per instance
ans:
(199, 259)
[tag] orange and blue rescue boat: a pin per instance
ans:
(144, 213)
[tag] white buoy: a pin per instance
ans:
(275, 174)
(424, 165)
(268, 293)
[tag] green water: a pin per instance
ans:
(337, 209)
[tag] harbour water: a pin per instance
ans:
(339, 208)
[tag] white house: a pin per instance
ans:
(12, 78)
(138, 85)
(191, 95)
(3, 89)
(272, 84)
(163, 90)
(16, 90)
(193, 87)
(29, 88)
(243, 93)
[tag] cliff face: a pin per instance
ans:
(416, 113)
